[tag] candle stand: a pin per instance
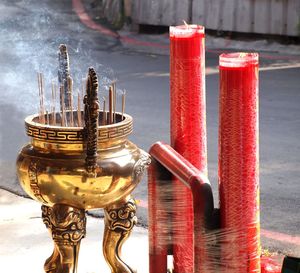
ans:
(73, 169)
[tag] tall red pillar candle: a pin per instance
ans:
(238, 162)
(188, 129)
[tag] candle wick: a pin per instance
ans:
(186, 24)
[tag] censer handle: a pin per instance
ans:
(91, 115)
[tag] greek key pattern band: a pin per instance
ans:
(54, 135)
(121, 131)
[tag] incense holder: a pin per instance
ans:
(53, 170)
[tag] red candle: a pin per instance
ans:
(238, 162)
(188, 129)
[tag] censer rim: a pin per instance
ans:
(73, 135)
(29, 121)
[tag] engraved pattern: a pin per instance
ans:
(32, 173)
(116, 132)
(123, 218)
(51, 134)
(67, 224)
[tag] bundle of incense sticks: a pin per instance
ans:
(70, 115)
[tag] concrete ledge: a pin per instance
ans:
(25, 242)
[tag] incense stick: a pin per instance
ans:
(47, 118)
(53, 94)
(79, 110)
(115, 100)
(42, 94)
(123, 103)
(104, 112)
(62, 95)
(71, 111)
(69, 92)
(40, 101)
(68, 84)
(41, 97)
(54, 109)
(110, 107)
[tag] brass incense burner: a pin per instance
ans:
(74, 169)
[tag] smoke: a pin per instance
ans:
(31, 32)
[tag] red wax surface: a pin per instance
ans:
(166, 162)
(158, 246)
(188, 130)
(239, 162)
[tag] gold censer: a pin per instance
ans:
(74, 169)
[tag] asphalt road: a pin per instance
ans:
(30, 32)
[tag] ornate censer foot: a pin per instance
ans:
(67, 226)
(119, 221)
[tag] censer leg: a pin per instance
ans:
(119, 221)
(67, 226)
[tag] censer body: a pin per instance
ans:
(51, 168)
(72, 169)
